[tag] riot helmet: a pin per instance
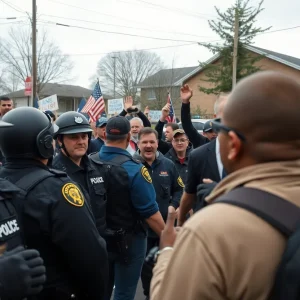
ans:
(72, 122)
(29, 137)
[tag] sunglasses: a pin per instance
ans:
(218, 126)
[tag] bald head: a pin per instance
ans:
(265, 107)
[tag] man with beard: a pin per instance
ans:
(167, 183)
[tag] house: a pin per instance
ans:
(271, 60)
(68, 96)
(154, 89)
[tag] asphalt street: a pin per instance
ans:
(139, 293)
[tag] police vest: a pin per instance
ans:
(10, 227)
(120, 212)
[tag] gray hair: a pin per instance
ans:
(221, 97)
(137, 119)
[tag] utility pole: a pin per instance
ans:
(34, 64)
(235, 47)
(114, 58)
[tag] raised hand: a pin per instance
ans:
(168, 235)
(186, 93)
(128, 102)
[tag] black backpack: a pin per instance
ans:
(284, 216)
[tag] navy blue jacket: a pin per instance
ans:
(167, 183)
(95, 145)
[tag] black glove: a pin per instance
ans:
(22, 273)
(203, 190)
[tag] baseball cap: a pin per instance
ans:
(117, 126)
(101, 122)
(178, 131)
(208, 126)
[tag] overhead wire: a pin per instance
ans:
(120, 33)
(13, 6)
(97, 12)
(124, 26)
(171, 9)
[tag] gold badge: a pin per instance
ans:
(180, 182)
(73, 194)
(146, 174)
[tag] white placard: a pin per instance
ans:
(49, 103)
(115, 106)
(154, 115)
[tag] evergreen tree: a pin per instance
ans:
(220, 75)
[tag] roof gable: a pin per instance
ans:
(290, 61)
(166, 78)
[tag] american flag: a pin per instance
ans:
(171, 117)
(95, 104)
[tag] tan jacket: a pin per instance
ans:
(226, 252)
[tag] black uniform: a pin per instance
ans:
(58, 222)
(91, 179)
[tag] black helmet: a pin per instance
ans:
(72, 122)
(5, 124)
(29, 137)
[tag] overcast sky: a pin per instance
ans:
(184, 22)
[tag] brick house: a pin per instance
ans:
(270, 61)
(153, 90)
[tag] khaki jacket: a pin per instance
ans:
(226, 252)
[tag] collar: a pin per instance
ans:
(20, 163)
(108, 150)
(217, 145)
(71, 166)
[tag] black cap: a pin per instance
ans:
(118, 126)
(208, 126)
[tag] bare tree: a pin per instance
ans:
(16, 59)
(127, 70)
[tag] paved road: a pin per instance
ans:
(139, 293)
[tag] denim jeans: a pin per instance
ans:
(126, 276)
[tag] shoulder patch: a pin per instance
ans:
(146, 174)
(180, 182)
(73, 194)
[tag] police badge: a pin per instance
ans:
(78, 120)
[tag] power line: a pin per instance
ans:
(122, 33)
(130, 27)
(283, 29)
(13, 6)
(97, 12)
(172, 9)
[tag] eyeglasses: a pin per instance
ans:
(218, 126)
(178, 141)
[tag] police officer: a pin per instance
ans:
(167, 183)
(130, 202)
(54, 214)
(73, 138)
(22, 272)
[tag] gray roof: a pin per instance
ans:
(62, 90)
(290, 61)
(282, 58)
(166, 78)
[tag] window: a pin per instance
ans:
(151, 94)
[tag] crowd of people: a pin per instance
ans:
(88, 211)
